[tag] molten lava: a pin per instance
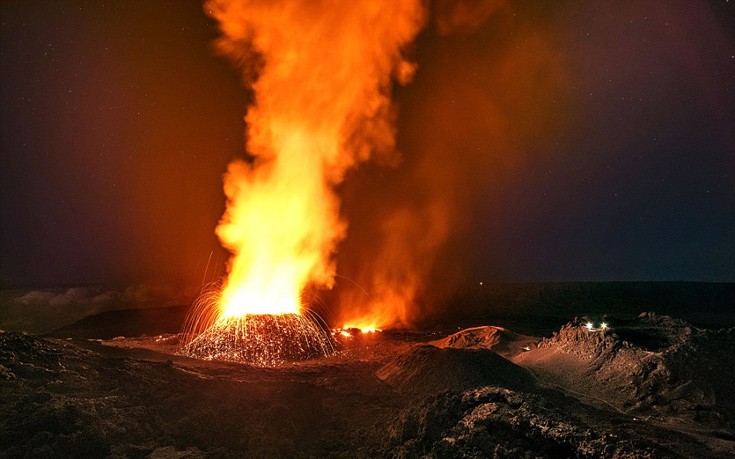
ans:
(323, 77)
(261, 339)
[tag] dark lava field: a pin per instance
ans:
(648, 385)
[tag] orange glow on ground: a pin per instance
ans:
(361, 329)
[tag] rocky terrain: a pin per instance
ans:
(86, 400)
(651, 365)
(648, 386)
(652, 386)
(495, 422)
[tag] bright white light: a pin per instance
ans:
(603, 326)
(590, 325)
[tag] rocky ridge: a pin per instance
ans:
(653, 364)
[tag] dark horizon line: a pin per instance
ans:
(474, 282)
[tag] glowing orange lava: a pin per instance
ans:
(261, 339)
(321, 106)
(363, 329)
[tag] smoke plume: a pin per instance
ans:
(487, 99)
(321, 74)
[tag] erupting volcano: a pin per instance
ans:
(533, 257)
(321, 75)
(261, 339)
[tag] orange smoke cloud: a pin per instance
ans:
(477, 110)
(463, 15)
(396, 272)
(321, 74)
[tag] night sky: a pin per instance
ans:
(575, 141)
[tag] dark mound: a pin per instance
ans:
(427, 369)
(651, 364)
(498, 339)
(492, 422)
(125, 322)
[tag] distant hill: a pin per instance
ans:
(701, 303)
(126, 322)
(530, 308)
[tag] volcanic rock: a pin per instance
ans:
(62, 400)
(651, 365)
(498, 339)
(492, 422)
(103, 399)
(427, 369)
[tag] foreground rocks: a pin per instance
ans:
(64, 400)
(650, 386)
(492, 422)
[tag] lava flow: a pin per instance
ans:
(321, 74)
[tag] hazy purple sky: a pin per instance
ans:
(580, 141)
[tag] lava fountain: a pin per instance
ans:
(321, 73)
